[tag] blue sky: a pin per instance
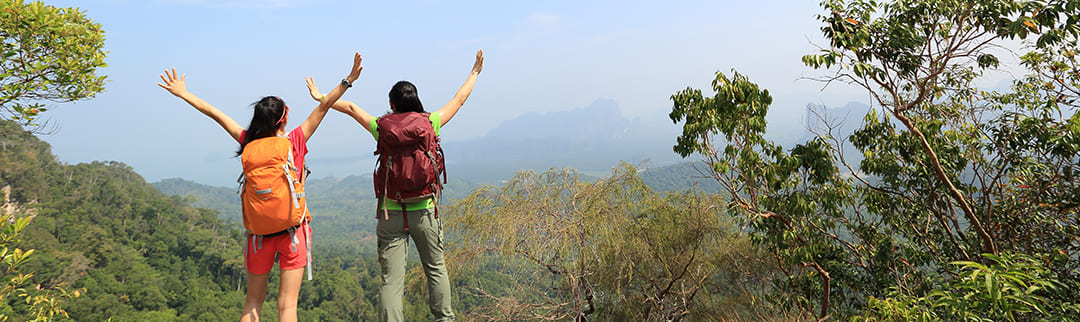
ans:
(541, 56)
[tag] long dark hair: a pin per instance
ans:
(269, 114)
(404, 98)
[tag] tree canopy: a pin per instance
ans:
(955, 183)
(552, 247)
(47, 54)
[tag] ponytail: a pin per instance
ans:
(269, 114)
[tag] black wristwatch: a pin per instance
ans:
(345, 82)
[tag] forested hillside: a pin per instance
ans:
(223, 200)
(144, 256)
(681, 176)
(100, 226)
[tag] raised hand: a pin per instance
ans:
(354, 73)
(173, 83)
(331, 99)
(448, 111)
(479, 64)
(313, 90)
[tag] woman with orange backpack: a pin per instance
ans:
(274, 211)
(408, 202)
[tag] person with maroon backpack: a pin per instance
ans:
(407, 185)
(275, 213)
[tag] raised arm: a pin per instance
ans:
(447, 111)
(316, 117)
(347, 107)
(175, 84)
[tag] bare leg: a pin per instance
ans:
(289, 294)
(256, 294)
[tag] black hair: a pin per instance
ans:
(404, 98)
(269, 111)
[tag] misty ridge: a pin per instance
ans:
(590, 139)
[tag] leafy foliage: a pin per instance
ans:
(949, 172)
(1010, 287)
(613, 248)
(795, 201)
(47, 54)
(42, 304)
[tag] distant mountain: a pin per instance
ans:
(681, 176)
(591, 139)
(599, 120)
(594, 138)
(844, 120)
(223, 200)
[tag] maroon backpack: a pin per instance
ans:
(410, 160)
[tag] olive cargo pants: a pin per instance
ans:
(426, 231)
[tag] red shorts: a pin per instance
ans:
(277, 249)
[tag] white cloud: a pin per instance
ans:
(544, 22)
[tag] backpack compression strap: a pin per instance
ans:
(292, 183)
(296, 204)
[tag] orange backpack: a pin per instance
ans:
(272, 193)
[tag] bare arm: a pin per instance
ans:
(447, 111)
(176, 85)
(316, 117)
(347, 107)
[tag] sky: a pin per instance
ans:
(540, 56)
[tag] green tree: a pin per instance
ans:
(101, 229)
(1006, 288)
(17, 210)
(949, 171)
(42, 304)
(548, 246)
(48, 54)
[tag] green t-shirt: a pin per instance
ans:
(436, 122)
